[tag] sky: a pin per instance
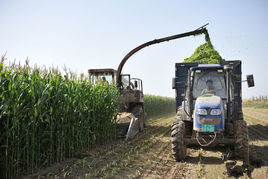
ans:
(86, 34)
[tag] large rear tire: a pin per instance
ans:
(178, 143)
(137, 111)
(241, 149)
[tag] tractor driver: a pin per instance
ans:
(105, 82)
(209, 88)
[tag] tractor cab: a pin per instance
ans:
(209, 97)
(131, 89)
(106, 75)
(131, 92)
(208, 80)
(131, 102)
(130, 83)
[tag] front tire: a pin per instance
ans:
(241, 149)
(178, 143)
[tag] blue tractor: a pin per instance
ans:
(209, 108)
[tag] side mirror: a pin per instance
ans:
(174, 83)
(136, 84)
(250, 81)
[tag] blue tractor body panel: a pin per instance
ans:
(217, 127)
(216, 121)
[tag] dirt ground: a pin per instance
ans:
(149, 156)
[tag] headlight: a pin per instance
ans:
(215, 112)
(202, 111)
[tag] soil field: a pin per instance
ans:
(149, 156)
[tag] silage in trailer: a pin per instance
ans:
(205, 54)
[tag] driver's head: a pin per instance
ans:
(103, 78)
(209, 83)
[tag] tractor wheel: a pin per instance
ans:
(177, 138)
(145, 119)
(241, 149)
(137, 111)
(188, 128)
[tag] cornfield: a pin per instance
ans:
(46, 117)
(158, 105)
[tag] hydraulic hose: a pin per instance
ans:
(209, 143)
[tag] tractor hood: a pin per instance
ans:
(209, 114)
(209, 102)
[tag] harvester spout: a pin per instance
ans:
(201, 30)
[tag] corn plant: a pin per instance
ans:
(158, 105)
(46, 117)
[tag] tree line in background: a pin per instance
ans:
(256, 101)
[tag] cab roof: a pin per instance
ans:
(103, 70)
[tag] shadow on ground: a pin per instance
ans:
(258, 132)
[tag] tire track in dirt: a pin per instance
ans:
(256, 133)
(257, 120)
(165, 163)
(160, 161)
(156, 157)
(132, 147)
(153, 129)
(141, 144)
(258, 114)
(257, 130)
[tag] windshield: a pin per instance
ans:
(107, 79)
(209, 82)
(104, 78)
(125, 80)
